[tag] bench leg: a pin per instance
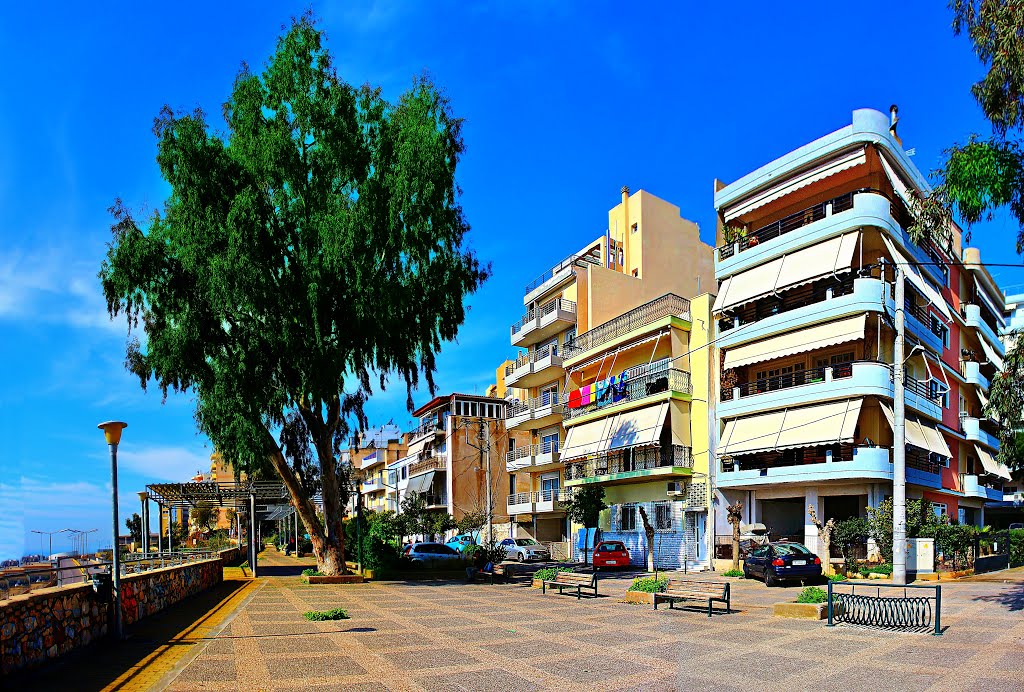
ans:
(543, 587)
(671, 603)
(577, 593)
(709, 607)
(655, 602)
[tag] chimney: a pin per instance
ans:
(626, 229)
(893, 121)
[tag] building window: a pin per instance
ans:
(939, 459)
(627, 518)
(405, 472)
(662, 516)
(939, 508)
(969, 466)
(938, 392)
(549, 394)
(511, 484)
(549, 444)
(570, 336)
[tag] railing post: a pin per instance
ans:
(830, 623)
(938, 610)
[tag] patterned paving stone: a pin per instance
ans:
(429, 658)
(282, 667)
(483, 680)
(295, 645)
(208, 670)
(592, 669)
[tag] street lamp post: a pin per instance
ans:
(50, 534)
(112, 432)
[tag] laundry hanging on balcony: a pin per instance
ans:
(602, 393)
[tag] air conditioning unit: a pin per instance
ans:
(675, 488)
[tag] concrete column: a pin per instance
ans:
(810, 530)
(159, 527)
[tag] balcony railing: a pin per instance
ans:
(539, 496)
(430, 426)
(432, 463)
(654, 381)
(531, 406)
(432, 500)
(790, 223)
(818, 455)
(629, 460)
(790, 299)
(531, 451)
(668, 304)
(546, 309)
(532, 357)
(567, 262)
(518, 499)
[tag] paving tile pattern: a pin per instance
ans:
(453, 636)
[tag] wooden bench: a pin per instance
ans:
(687, 590)
(571, 580)
(502, 572)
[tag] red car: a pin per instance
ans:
(611, 554)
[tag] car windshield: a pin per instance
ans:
(609, 547)
(526, 541)
(790, 549)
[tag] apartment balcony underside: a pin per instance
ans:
(550, 502)
(543, 323)
(561, 273)
(533, 459)
(974, 373)
(975, 486)
(434, 463)
(535, 417)
(847, 464)
(857, 379)
(981, 319)
(620, 467)
(534, 369)
(981, 430)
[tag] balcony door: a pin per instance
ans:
(549, 394)
(779, 377)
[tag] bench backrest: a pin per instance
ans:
(575, 578)
(686, 585)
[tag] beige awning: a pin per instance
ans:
(990, 353)
(918, 281)
(417, 447)
(801, 341)
(638, 427)
(996, 310)
(919, 433)
(990, 464)
(586, 439)
(788, 271)
(795, 182)
(806, 426)
(896, 181)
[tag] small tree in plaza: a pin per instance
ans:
(824, 537)
(734, 514)
(585, 507)
(203, 515)
(649, 533)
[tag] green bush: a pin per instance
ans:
(311, 572)
(837, 577)
(733, 573)
(320, 615)
(1017, 547)
(549, 572)
(884, 568)
(812, 594)
(270, 540)
(648, 585)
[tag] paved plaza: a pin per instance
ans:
(453, 636)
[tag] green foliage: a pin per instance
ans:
(471, 522)
(837, 577)
(494, 551)
(270, 540)
(549, 572)
(311, 246)
(921, 519)
(648, 584)
(321, 615)
(1006, 399)
(812, 594)
(380, 533)
(955, 542)
(312, 572)
(847, 536)
(733, 233)
(884, 568)
(134, 526)
(1017, 547)
(732, 573)
(203, 515)
(585, 505)
(417, 519)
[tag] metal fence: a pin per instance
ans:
(864, 605)
(668, 304)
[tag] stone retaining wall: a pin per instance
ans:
(48, 623)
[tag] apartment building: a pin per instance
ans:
(369, 454)
(605, 391)
(805, 320)
(446, 461)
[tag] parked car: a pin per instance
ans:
(610, 554)
(431, 553)
(460, 542)
(778, 562)
(524, 549)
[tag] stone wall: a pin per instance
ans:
(49, 623)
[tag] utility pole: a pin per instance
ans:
(486, 427)
(899, 446)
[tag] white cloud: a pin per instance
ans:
(174, 464)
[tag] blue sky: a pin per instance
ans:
(563, 106)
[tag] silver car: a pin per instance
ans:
(431, 553)
(524, 549)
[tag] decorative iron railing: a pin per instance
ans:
(668, 304)
(865, 606)
(544, 310)
(587, 257)
(629, 460)
(655, 381)
(531, 357)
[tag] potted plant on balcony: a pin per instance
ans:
(733, 234)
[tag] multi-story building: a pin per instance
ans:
(370, 454)
(605, 383)
(808, 246)
(447, 457)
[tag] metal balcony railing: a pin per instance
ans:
(655, 381)
(432, 463)
(517, 408)
(531, 357)
(531, 451)
(668, 304)
(432, 500)
(546, 309)
(518, 499)
(628, 460)
(586, 257)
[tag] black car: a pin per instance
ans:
(777, 562)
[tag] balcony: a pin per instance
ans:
(971, 370)
(560, 272)
(973, 429)
(537, 502)
(431, 463)
(631, 465)
(538, 412)
(534, 368)
(841, 381)
(435, 501)
(657, 380)
(372, 485)
(538, 457)
(972, 314)
(870, 208)
(544, 322)
(973, 486)
(668, 305)
(431, 426)
(817, 465)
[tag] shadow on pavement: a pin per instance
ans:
(98, 666)
(1013, 598)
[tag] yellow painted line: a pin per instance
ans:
(146, 673)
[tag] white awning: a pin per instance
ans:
(795, 182)
(421, 483)
(801, 341)
(806, 426)
(990, 353)
(989, 463)
(919, 433)
(416, 448)
(586, 439)
(636, 428)
(897, 182)
(918, 281)
(800, 267)
(997, 311)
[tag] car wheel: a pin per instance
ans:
(746, 572)
(520, 557)
(769, 579)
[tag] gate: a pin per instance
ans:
(914, 609)
(991, 551)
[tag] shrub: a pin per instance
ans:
(471, 550)
(733, 573)
(812, 594)
(849, 534)
(837, 577)
(549, 572)
(1017, 547)
(312, 572)
(884, 568)
(648, 585)
(320, 615)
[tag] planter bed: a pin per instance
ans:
(340, 579)
(639, 597)
(801, 611)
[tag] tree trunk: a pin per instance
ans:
(649, 532)
(826, 550)
(736, 545)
